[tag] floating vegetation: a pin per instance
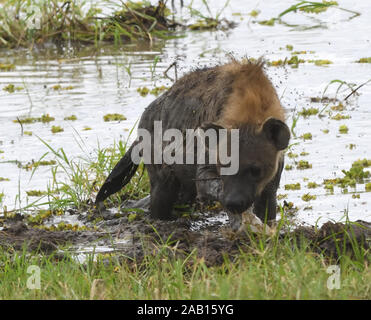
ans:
(351, 146)
(339, 107)
(312, 185)
(329, 186)
(308, 197)
(293, 62)
(36, 193)
(45, 118)
(71, 118)
(36, 23)
(303, 164)
(289, 208)
(42, 216)
(289, 47)
(308, 112)
(86, 128)
(4, 179)
(292, 186)
(144, 91)
(356, 174)
(364, 60)
(282, 196)
(307, 136)
(340, 117)
(321, 62)
(34, 164)
(6, 66)
(288, 167)
(292, 155)
(11, 88)
(56, 129)
(254, 13)
(343, 129)
(269, 22)
(304, 153)
(303, 52)
(58, 87)
(113, 117)
(205, 24)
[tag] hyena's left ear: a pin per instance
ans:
(278, 132)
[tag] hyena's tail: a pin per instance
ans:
(119, 177)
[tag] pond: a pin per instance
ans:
(90, 83)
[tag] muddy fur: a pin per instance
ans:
(233, 96)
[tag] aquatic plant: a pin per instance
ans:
(308, 197)
(210, 22)
(56, 129)
(113, 117)
(292, 186)
(71, 118)
(307, 136)
(343, 129)
(26, 23)
(303, 164)
(308, 112)
(364, 60)
(310, 7)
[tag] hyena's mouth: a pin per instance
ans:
(235, 220)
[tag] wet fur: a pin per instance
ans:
(234, 95)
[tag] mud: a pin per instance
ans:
(213, 240)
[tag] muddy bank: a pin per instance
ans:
(136, 238)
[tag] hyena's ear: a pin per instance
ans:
(278, 132)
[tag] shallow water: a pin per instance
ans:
(101, 85)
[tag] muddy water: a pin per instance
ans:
(101, 84)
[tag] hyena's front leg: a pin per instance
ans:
(265, 207)
(208, 184)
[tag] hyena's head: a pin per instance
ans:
(258, 156)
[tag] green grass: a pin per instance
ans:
(274, 268)
(84, 175)
(268, 270)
